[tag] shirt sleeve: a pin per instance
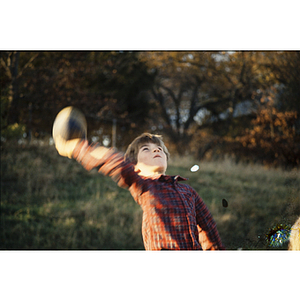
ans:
(111, 164)
(208, 234)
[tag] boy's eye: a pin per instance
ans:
(145, 148)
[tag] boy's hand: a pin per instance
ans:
(66, 148)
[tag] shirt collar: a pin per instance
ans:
(170, 179)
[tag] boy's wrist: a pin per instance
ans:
(71, 146)
(77, 149)
(97, 151)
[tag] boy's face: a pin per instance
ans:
(151, 160)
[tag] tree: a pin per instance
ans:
(104, 85)
(286, 69)
(198, 88)
(179, 77)
(122, 79)
(272, 136)
(12, 67)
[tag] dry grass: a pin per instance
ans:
(50, 202)
(258, 198)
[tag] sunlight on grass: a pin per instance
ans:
(50, 202)
(258, 197)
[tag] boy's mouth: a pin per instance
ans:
(157, 155)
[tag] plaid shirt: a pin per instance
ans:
(174, 216)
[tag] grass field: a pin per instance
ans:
(50, 202)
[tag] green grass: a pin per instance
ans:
(51, 202)
(258, 199)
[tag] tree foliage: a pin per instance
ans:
(272, 136)
(104, 85)
(200, 101)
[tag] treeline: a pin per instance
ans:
(208, 104)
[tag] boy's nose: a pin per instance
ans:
(156, 149)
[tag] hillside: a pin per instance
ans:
(50, 202)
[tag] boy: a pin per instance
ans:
(174, 216)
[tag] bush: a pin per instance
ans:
(15, 131)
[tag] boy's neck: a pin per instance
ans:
(149, 171)
(149, 174)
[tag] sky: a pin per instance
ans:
(161, 25)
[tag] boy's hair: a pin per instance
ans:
(145, 138)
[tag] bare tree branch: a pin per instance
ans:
(27, 64)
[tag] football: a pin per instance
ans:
(70, 123)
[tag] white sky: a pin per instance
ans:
(159, 25)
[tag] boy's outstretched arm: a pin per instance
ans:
(66, 148)
(108, 161)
